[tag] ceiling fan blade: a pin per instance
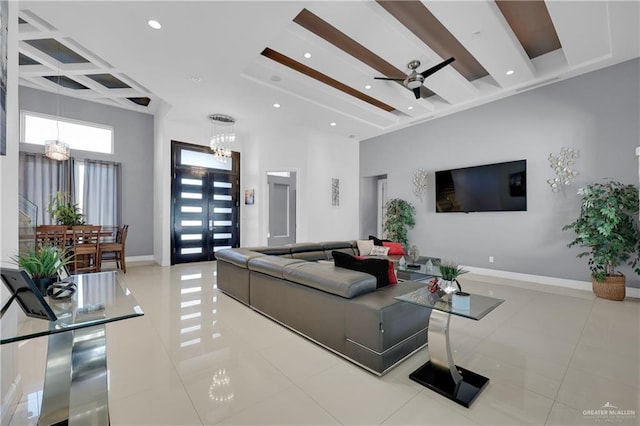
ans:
(416, 92)
(389, 78)
(438, 67)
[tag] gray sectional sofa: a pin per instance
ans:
(337, 308)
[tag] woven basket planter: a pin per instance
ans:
(612, 288)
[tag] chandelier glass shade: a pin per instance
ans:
(57, 150)
(221, 133)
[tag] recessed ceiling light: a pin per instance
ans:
(409, 107)
(368, 86)
(307, 55)
(275, 78)
(154, 24)
(510, 72)
(276, 105)
(195, 79)
(332, 124)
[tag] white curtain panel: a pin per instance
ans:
(101, 193)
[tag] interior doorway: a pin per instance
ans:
(281, 197)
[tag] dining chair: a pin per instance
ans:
(115, 251)
(86, 248)
(52, 235)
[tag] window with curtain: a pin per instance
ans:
(100, 191)
(40, 178)
(94, 185)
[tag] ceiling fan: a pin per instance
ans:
(415, 79)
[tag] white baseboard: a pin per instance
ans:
(10, 401)
(540, 279)
(147, 258)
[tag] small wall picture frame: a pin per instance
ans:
(249, 196)
(335, 191)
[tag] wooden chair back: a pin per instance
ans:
(115, 252)
(85, 248)
(52, 235)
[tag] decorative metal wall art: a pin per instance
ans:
(562, 164)
(419, 183)
(335, 191)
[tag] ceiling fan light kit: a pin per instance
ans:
(415, 80)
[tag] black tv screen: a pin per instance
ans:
(487, 188)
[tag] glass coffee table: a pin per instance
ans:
(417, 272)
(440, 373)
(75, 384)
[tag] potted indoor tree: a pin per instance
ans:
(400, 216)
(64, 211)
(607, 228)
(42, 263)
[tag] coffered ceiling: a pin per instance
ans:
(316, 60)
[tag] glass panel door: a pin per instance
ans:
(205, 204)
(190, 216)
(224, 208)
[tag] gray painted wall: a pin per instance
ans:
(597, 113)
(133, 148)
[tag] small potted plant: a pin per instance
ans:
(42, 264)
(450, 271)
(400, 216)
(64, 211)
(607, 227)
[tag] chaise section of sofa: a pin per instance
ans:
(338, 308)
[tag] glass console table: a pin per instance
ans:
(440, 373)
(75, 385)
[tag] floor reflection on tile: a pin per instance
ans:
(554, 356)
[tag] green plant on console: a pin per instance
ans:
(64, 211)
(400, 216)
(42, 261)
(607, 227)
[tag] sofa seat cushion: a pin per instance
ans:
(379, 268)
(237, 256)
(272, 265)
(330, 279)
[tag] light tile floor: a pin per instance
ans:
(553, 355)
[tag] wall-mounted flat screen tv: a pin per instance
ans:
(487, 188)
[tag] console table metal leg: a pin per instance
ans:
(440, 373)
(75, 387)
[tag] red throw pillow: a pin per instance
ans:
(394, 248)
(392, 274)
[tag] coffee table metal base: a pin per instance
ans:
(440, 381)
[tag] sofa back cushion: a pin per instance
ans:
(382, 269)
(341, 246)
(308, 251)
(339, 281)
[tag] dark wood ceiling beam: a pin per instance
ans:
(331, 34)
(323, 78)
(532, 25)
(421, 22)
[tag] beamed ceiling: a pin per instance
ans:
(240, 58)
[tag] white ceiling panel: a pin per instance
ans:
(207, 57)
(583, 29)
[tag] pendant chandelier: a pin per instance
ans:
(55, 148)
(221, 133)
